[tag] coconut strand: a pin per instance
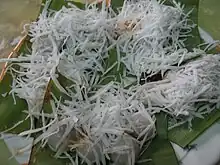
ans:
(151, 36)
(107, 124)
(191, 91)
(113, 121)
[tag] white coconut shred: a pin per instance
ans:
(191, 91)
(152, 36)
(109, 122)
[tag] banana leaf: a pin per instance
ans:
(11, 113)
(160, 150)
(208, 17)
(58, 4)
(4, 86)
(116, 71)
(44, 156)
(191, 7)
(5, 155)
(116, 3)
(56, 92)
(183, 137)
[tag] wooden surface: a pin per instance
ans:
(14, 14)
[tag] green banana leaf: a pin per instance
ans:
(183, 137)
(44, 156)
(115, 73)
(193, 5)
(11, 113)
(58, 4)
(117, 3)
(160, 150)
(5, 86)
(5, 83)
(5, 156)
(208, 17)
(162, 125)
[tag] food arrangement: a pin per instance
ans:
(94, 79)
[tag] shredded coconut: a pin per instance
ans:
(192, 91)
(108, 125)
(113, 121)
(151, 36)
